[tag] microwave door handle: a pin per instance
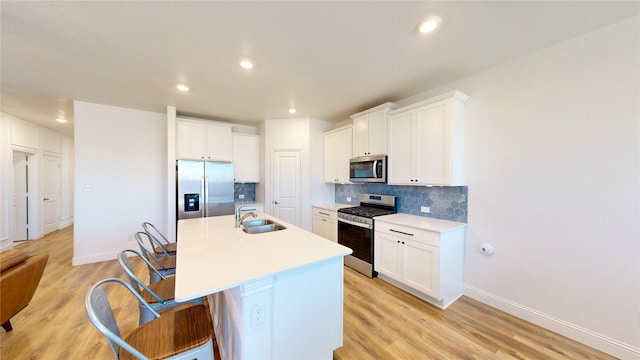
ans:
(374, 171)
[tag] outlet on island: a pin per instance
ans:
(425, 209)
(257, 315)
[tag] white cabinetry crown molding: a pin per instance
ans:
(457, 95)
(387, 105)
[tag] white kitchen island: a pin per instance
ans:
(275, 295)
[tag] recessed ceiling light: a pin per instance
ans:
(61, 120)
(429, 24)
(182, 87)
(292, 111)
(247, 64)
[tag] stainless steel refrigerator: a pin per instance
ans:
(204, 189)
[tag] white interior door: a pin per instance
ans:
(285, 185)
(51, 192)
(19, 197)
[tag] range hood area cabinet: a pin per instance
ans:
(337, 152)
(426, 142)
(203, 140)
(246, 158)
(370, 130)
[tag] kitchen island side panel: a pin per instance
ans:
(296, 314)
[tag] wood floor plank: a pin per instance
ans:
(380, 320)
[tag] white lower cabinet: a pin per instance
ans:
(325, 223)
(426, 263)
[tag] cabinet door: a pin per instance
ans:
(337, 152)
(387, 255)
(219, 143)
(360, 136)
(433, 166)
(317, 227)
(420, 270)
(331, 230)
(331, 158)
(192, 141)
(401, 153)
(245, 158)
(326, 228)
(377, 136)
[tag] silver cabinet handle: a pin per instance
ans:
(400, 232)
(320, 212)
(45, 199)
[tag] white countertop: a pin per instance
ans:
(333, 206)
(421, 222)
(213, 255)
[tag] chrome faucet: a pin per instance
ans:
(239, 218)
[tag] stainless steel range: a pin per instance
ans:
(355, 230)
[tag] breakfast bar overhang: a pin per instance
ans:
(272, 295)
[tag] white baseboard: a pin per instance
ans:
(93, 258)
(64, 222)
(5, 244)
(585, 336)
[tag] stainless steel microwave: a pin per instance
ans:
(366, 169)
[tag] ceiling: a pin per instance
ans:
(327, 59)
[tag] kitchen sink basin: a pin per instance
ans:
(257, 222)
(259, 229)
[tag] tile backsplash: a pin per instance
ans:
(445, 202)
(246, 189)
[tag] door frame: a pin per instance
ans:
(32, 193)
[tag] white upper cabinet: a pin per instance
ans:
(337, 152)
(200, 140)
(370, 130)
(246, 165)
(426, 142)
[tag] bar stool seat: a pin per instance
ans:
(174, 332)
(184, 332)
(171, 248)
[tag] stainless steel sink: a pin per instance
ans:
(257, 222)
(259, 229)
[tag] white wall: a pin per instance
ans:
(552, 164)
(304, 134)
(120, 179)
(5, 163)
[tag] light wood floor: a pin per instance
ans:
(380, 321)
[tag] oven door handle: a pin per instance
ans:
(366, 226)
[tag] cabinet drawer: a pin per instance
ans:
(408, 233)
(328, 214)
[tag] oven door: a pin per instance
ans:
(357, 237)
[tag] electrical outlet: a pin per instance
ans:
(425, 209)
(241, 196)
(348, 199)
(257, 315)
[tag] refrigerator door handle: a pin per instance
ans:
(204, 183)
